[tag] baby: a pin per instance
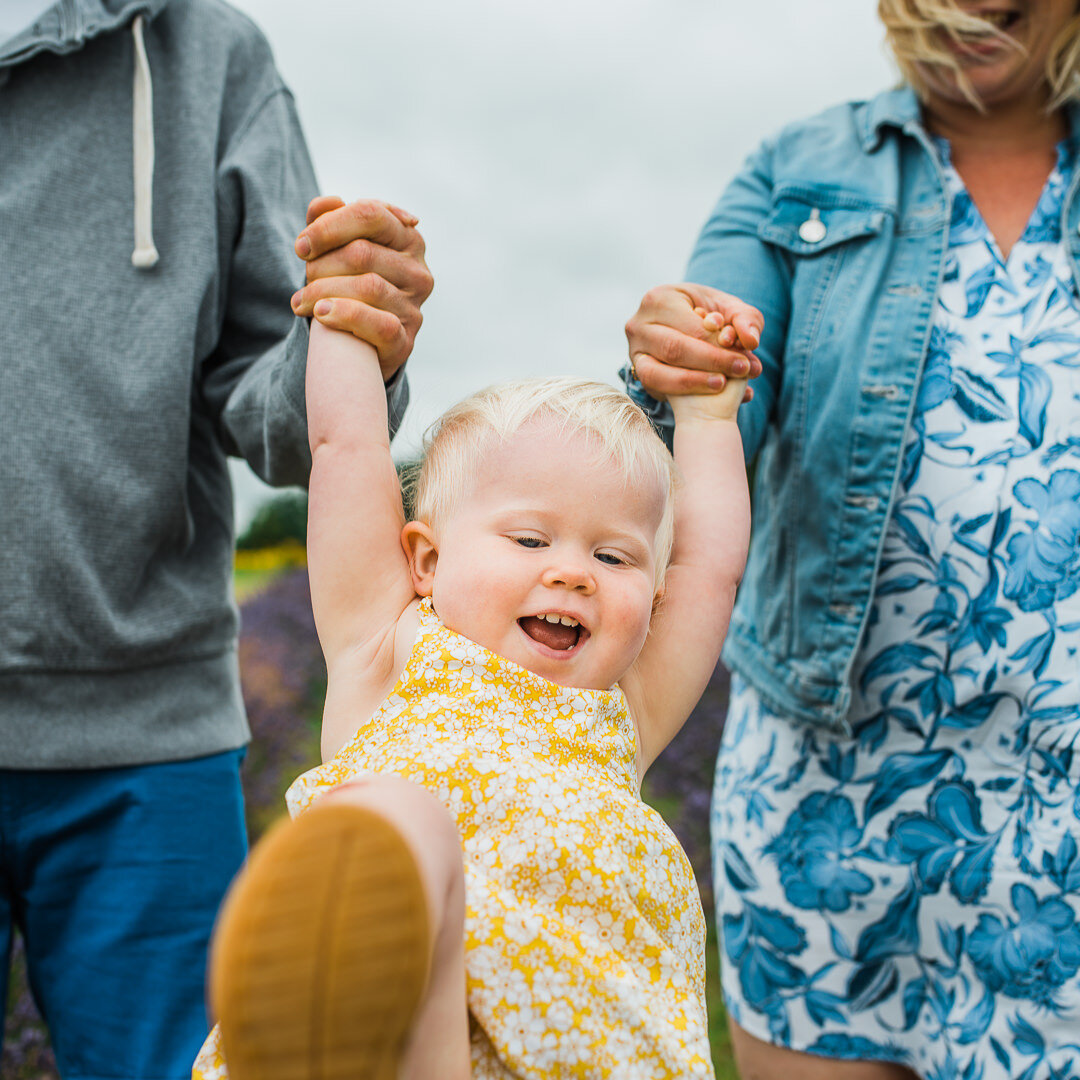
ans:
(478, 889)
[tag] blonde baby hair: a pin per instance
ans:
(911, 30)
(454, 443)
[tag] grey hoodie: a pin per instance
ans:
(146, 334)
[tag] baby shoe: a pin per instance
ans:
(320, 957)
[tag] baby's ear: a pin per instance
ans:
(418, 540)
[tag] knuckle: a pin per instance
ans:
(317, 232)
(376, 289)
(654, 298)
(384, 327)
(425, 283)
(366, 210)
(669, 351)
(358, 254)
(636, 330)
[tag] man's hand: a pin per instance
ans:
(688, 339)
(365, 274)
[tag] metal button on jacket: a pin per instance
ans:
(813, 230)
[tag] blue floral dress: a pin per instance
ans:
(912, 893)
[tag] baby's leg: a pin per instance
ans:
(438, 1045)
(340, 949)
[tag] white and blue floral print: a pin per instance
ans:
(911, 892)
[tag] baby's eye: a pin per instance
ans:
(528, 541)
(611, 560)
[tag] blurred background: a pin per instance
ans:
(561, 154)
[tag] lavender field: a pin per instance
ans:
(284, 680)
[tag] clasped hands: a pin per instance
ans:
(689, 339)
(366, 274)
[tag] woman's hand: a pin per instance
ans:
(674, 351)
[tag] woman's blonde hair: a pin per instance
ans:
(454, 444)
(912, 30)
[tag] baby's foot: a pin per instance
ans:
(320, 957)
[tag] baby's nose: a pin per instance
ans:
(570, 575)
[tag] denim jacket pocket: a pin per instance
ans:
(819, 231)
(808, 221)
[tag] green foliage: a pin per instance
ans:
(284, 517)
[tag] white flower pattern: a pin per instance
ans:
(584, 932)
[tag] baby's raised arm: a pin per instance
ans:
(712, 532)
(360, 581)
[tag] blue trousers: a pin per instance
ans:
(113, 877)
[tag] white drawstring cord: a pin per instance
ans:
(145, 254)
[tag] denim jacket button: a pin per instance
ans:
(867, 502)
(813, 230)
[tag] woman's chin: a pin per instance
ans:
(997, 84)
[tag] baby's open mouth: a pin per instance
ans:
(559, 632)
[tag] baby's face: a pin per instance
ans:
(549, 560)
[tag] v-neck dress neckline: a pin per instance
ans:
(1043, 224)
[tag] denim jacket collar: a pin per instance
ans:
(900, 108)
(892, 108)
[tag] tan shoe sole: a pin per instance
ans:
(321, 953)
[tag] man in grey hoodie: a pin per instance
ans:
(153, 177)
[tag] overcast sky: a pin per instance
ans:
(561, 154)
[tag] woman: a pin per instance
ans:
(898, 793)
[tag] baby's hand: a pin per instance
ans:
(714, 405)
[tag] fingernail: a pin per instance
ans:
(295, 301)
(740, 367)
(716, 382)
(323, 307)
(303, 247)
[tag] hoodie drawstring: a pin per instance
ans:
(145, 254)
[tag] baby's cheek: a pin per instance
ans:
(635, 622)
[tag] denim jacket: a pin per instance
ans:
(836, 229)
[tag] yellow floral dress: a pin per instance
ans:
(585, 939)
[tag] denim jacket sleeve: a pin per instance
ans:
(730, 255)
